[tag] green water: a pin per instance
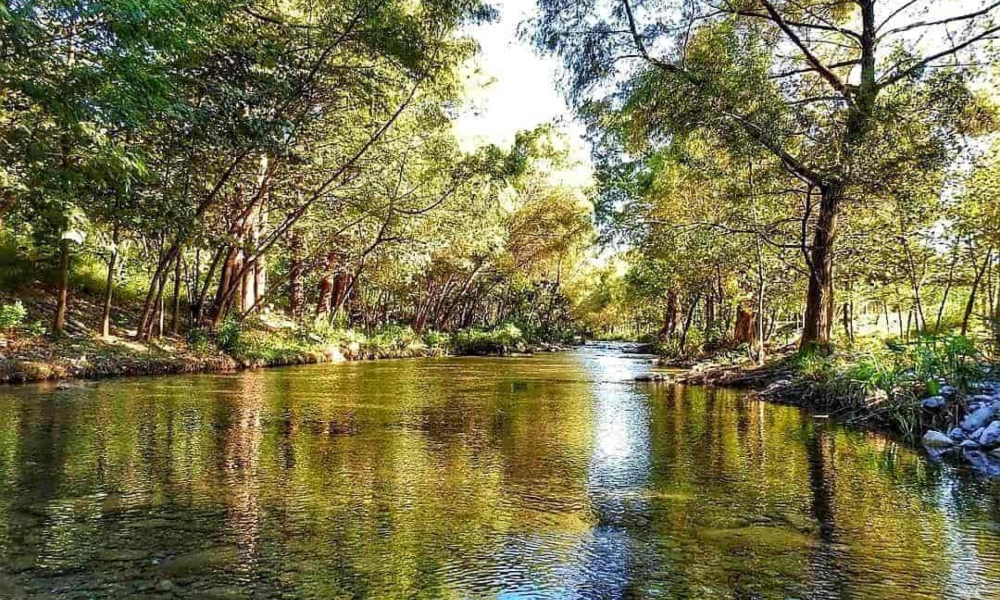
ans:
(546, 477)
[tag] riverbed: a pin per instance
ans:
(554, 476)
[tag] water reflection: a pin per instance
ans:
(553, 476)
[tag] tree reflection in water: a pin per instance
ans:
(553, 476)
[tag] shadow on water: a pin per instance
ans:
(554, 476)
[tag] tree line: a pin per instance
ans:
(214, 160)
(789, 165)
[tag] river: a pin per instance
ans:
(554, 476)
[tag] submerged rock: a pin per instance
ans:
(936, 439)
(986, 463)
(122, 555)
(200, 561)
(647, 377)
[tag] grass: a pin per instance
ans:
(887, 382)
(478, 342)
(256, 344)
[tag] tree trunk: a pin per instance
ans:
(325, 302)
(670, 318)
(745, 331)
(847, 322)
(947, 289)
(970, 305)
(109, 285)
(198, 306)
(296, 293)
(148, 307)
(62, 296)
(175, 308)
(687, 321)
(819, 297)
(709, 313)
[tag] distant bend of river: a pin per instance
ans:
(554, 476)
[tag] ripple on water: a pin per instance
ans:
(551, 477)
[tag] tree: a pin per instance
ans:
(845, 96)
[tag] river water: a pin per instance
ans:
(547, 477)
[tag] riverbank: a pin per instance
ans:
(32, 358)
(935, 391)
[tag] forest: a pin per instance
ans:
(189, 169)
(766, 175)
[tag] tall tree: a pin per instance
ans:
(842, 94)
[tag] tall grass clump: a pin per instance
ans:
(479, 342)
(887, 383)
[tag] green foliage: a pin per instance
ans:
(477, 342)
(436, 339)
(197, 340)
(230, 338)
(887, 383)
(12, 315)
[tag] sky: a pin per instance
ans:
(510, 87)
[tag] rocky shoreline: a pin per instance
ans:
(956, 426)
(976, 436)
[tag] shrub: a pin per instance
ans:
(887, 383)
(197, 340)
(230, 337)
(477, 342)
(436, 339)
(12, 315)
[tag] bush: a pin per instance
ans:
(477, 342)
(436, 339)
(230, 337)
(12, 316)
(197, 340)
(887, 383)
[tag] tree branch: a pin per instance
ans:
(824, 71)
(966, 17)
(904, 73)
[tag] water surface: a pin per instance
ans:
(547, 477)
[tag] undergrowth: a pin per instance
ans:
(887, 382)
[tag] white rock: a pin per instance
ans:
(933, 402)
(936, 439)
(991, 435)
(977, 418)
(957, 434)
